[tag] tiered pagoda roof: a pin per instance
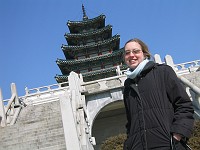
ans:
(71, 51)
(73, 37)
(87, 24)
(94, 75)
(91, 50)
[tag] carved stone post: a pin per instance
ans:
(118, 71)
(69, 123)
(157, 59)
(2, 111)
(169, 61)
(77, 104)
(79, 110)
(14, 91)
(75, 88)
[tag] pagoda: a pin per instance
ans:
(92, 50)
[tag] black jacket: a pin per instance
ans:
(157, 105)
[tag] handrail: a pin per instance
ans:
(2, 111)
(12, 108)
(101, 80)
(10, 103)
(191, 63)
(196, 97)
(193, 87)
(189, 66)
(120, 74)
(45, 88)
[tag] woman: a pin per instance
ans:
(159, 111)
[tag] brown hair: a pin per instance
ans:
(144, 47)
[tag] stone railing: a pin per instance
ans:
(187, 67)
(44, 94)
(10, 108)
(51, 92)
(10, 112)
(103, 84)
(194, 93)
(45, 88)
(78, 107)
(183, 68)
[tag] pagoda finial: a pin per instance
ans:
(85, 17)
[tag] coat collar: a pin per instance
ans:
(148, 67)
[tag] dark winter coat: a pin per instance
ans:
(157, 105)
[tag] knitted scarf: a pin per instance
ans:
(132, 73)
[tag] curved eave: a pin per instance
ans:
(87, 60)
(64, 78)
(86, 22)
(102, 71)
(108, 28)
(61, 78)
(101, 43)
(79, 26)
(64, 69)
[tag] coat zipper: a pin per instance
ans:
(145, 138)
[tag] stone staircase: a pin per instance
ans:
(38, 127)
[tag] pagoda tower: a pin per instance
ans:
(92, 50)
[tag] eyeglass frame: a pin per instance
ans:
(134, 51)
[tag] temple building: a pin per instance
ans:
(92, 50)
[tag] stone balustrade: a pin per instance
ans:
(82, 101)
(183, 68)
(45, 94)
(187, 67)
(10, 112)
(51, 92)
(45, 88)
(103, 84)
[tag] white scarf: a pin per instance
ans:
(133, 73)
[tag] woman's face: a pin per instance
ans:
(133, 54)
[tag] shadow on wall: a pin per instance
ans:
(109, 122)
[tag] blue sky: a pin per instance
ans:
(32, 32)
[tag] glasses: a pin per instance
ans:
(134, 51)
